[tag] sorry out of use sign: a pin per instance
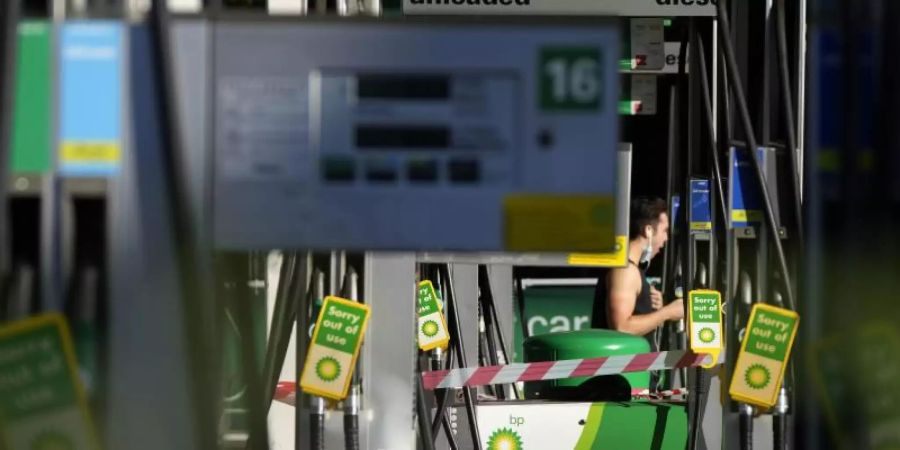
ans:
(335, 346)
(42, 404)
(764, 355)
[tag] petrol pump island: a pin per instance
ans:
(366, 225)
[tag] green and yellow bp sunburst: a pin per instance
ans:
(328, 369)
(430, 328)
(707, 335)
(757, 376)
(504, 439)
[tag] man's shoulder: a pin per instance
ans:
(629, 274)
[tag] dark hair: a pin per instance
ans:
(645, 211)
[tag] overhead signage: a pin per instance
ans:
(42, 403)
(332, 354)
(764, 355)
(634, 8)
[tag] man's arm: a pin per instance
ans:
(624, 286)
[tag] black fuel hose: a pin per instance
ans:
(317, 431)
(423, 416)
(351, 431)
(737, 87)
(713, 145)
(468, 395)
(779, 428)
(746, 427)
(788, 106)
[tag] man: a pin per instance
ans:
(624, 301)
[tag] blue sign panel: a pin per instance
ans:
(701, 214)
(746, 196)
(90, 98)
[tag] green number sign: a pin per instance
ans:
(571, 79)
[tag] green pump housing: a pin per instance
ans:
(593, 343)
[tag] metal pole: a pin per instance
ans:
(317, 414)
(352, 403)
(192, 266)
(8, 51)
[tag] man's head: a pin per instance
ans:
(649, 223)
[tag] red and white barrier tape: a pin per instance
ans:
(645, 393)
(286, 392)
(558, 370)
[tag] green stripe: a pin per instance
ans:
(591, 428)
(31, 129)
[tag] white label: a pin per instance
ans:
(545, 426)
(185, 6)
(285, 6)
(643, 91)
(647, 44)
(650, 8)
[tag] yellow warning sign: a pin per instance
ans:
(559, 223)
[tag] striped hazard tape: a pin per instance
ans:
(658, 395)
(558, 370)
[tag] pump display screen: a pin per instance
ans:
(400, 86)
(415, 135)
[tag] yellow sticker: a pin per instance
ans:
(559, 223)
(332, 354)
(746, 216)
(617, 258)
(42, 401)
(764, 355)
(91, 152)
(432, 327)
(705, 324)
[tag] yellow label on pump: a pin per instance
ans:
(705, 324)
(764, 355)
(432, 327)
(559, 223)
(617, 258)
(331, 358)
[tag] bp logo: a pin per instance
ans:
(707, 335)
(504, 439)
(430, 328)
(328, 369)
(757, 376)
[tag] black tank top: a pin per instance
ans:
(643, 305)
